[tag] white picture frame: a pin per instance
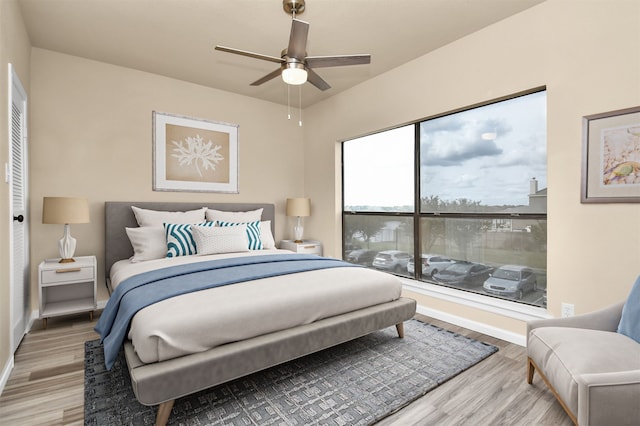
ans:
(194, 155)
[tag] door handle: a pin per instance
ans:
(19, 218)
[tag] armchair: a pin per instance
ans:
(592, 370)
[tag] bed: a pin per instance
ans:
(171, 375)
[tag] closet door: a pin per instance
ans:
(17, 174)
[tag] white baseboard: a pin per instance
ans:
(498, 333)
(6, 372)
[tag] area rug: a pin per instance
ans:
(355, 383)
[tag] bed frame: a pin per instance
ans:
(161, 383)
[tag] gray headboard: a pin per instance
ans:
(119, 215)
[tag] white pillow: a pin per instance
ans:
(148, 243)
(146, 217)
(236, 217)
(268, 242)
(214, 240)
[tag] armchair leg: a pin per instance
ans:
(531, 369)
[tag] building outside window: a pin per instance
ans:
(457, 200)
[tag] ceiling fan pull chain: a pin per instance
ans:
(288, 102)
(300, 104)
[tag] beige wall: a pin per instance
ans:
(586, 53)
(91, 136)
(14, 49)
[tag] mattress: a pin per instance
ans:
(202, 320)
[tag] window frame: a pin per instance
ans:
(417, 213)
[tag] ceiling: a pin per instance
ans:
(176, 38)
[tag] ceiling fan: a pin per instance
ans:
(295, 66)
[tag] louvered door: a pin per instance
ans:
(20, 305)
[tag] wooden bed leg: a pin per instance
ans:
(164, 411)
(531, 369)
(400, 328)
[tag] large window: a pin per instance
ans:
(458, 200)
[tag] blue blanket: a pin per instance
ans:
(147, 288)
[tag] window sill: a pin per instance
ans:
(493, 305)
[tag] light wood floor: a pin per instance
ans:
(46, 386)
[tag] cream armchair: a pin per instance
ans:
(592, 370)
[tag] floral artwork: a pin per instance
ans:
(194, 155)
(621, 155)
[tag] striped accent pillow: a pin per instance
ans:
(253, 232)
(180, 240)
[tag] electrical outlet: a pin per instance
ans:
(567, 310)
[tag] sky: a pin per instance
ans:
(487, 154)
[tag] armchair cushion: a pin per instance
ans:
(630, 319)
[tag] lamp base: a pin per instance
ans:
(67, 246)
(297, 231)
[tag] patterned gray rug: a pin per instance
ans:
(356, 383)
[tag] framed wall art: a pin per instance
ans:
(611, 157)
(196, 155)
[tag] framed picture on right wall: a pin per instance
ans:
(611, 157)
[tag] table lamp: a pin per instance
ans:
(65, 210)
(300, 207)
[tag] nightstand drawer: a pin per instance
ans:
(310, 248)
(67, 273)
(306, 246)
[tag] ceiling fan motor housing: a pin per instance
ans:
(293, 6)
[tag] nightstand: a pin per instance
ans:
(67, 288)
(306, 246)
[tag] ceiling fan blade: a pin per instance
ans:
(250, 54)
(337, 61)
(298, 40)
(267, 77)
(316, 80)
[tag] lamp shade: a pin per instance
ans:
(64, 210)
(300, 207)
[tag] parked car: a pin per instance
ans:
(361, 257)
(431, 264)
(511, 281)
(391, 260)
(349, 247)
(464, 274)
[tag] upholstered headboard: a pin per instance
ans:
(119, 215)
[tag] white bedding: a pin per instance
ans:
(198, 321)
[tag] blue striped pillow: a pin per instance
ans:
(253, 233)
(180, 240)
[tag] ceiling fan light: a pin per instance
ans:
(294, 74)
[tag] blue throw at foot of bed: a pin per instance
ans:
(142, 290)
